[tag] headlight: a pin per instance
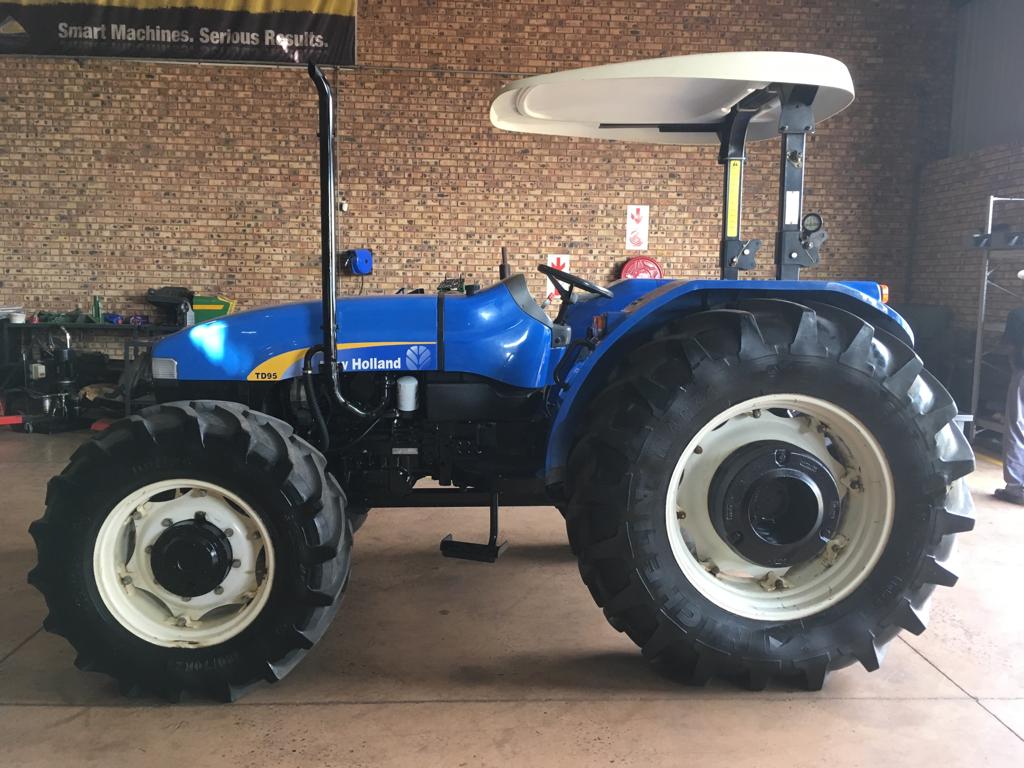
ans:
(165, 368)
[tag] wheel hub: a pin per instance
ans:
(191, 558)
(184, 563)
(774, 503)
(856, 520)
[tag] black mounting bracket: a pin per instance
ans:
(482, 553)
(794, 249)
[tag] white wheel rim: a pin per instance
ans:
(865, 484)
(130, 591)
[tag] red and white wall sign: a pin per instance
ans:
(558, 261)
(638, 222)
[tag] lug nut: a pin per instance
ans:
(756, 413)
(149, 548)
(698, 450)
(200, 516)
(180, 621)
(781, 456)
(236, 563)
(218, 590)
(126, 580)
(229, 532)
(166, 522)
(681, 514)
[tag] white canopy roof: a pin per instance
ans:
(687, 90)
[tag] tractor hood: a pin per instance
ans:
(499, 333)
(268, 344)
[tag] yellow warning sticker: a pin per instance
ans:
(732, 214)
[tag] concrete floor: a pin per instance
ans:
(433, 662)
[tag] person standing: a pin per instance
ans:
(1013, 426)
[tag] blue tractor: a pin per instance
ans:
(758, 477)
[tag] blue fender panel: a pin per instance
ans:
(639, 306)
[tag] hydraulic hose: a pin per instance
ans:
(314, 402)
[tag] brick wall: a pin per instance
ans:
(953, 202)
(118, 176)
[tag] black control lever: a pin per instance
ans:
(504, 270)
(741, 254)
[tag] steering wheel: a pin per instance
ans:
(558, 277)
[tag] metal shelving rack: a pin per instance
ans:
(992, 245)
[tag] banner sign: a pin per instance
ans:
(284, 31)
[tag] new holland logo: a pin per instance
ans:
(417, 357)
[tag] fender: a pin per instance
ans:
(641, 306)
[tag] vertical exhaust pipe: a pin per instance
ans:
(328, 250)
(329, 273)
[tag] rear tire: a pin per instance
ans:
(268, 511)
(703, 622)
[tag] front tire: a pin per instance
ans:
(196, 548)
(768, 491)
